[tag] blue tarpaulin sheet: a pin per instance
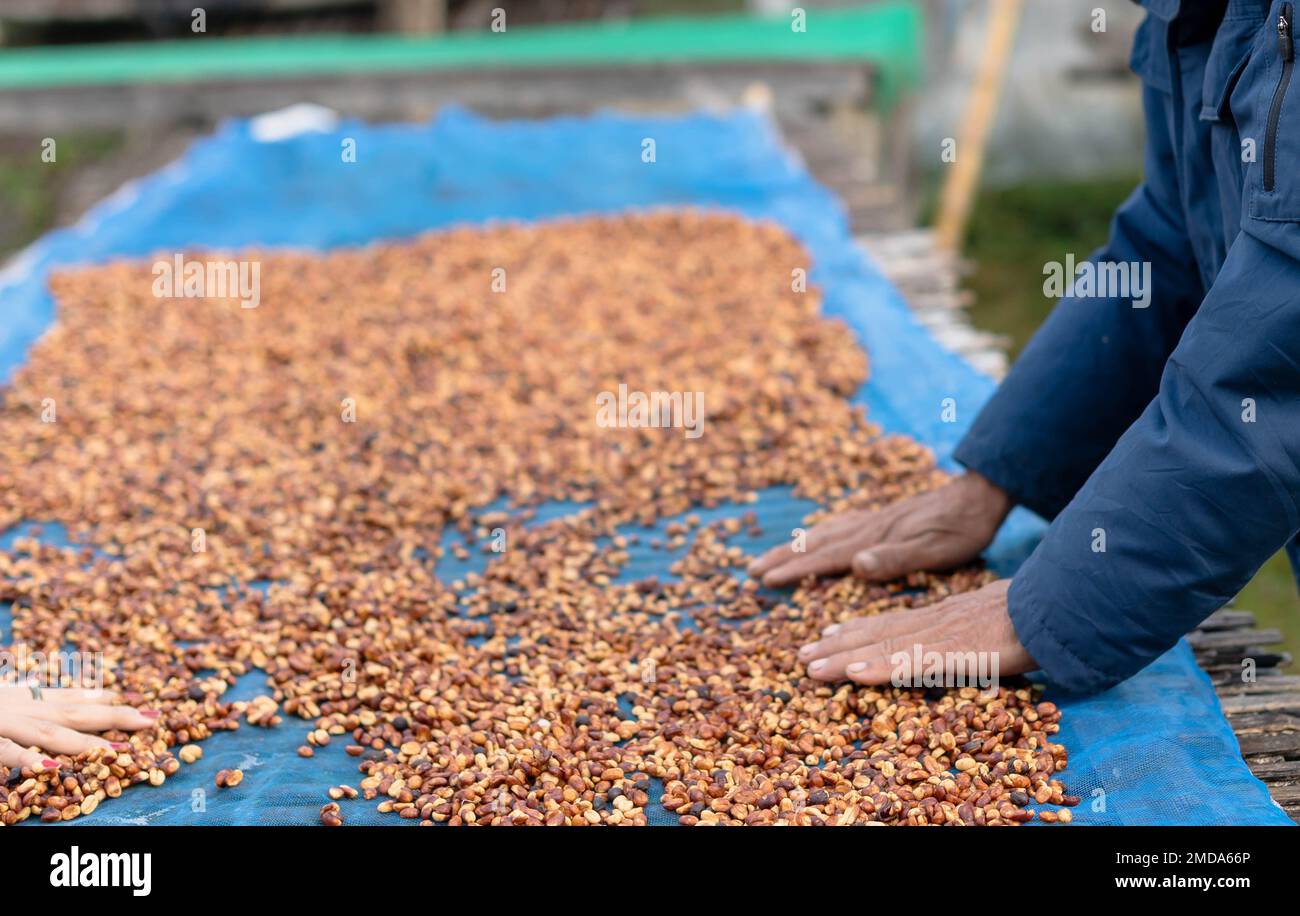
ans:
(1154, 750)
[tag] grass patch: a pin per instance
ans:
(30, 186)
(1015, 231)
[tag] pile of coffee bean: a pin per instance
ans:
(382, 400)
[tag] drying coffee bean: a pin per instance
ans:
(269, 491)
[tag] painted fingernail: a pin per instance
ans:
(817, 666)
(831, 630)
(867, 562)
(856, 667)
(50, 764)
(120, 745)
(150, 713)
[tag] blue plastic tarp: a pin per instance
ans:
(1155, 750)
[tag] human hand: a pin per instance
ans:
(938, 529)
(863, 649)
(60, 723)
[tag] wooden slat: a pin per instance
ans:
(1231, 639)
(1268, 702)
(1286, 796)
(1285, 744)
(1269, 681)
(930, 281)
(1281, 773)
(1227, 619)
(1268, 723)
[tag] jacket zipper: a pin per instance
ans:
(1285, 46)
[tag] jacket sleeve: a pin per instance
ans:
(1194, 497)
(1095, 363)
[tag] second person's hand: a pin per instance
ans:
(63, 721)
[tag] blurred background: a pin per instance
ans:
(868, 100)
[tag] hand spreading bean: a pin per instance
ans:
(60, 723)
(935, 530)
(863, 649)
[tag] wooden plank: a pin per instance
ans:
(1287, 796)
(930, 281)
(1270, 723)
(1270, 681)
(47, 11)
(1284, 773)
(1267, 702)
(417, 95)
(1227, 619)
(1228, 661)
(414, 17)
(1226, 639)
(83, 10)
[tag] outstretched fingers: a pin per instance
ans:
(15, 756)
(87, 717)
(21, 692)
(49, 736)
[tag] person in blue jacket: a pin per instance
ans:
(1159, 432)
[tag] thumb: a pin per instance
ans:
(886, 561)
